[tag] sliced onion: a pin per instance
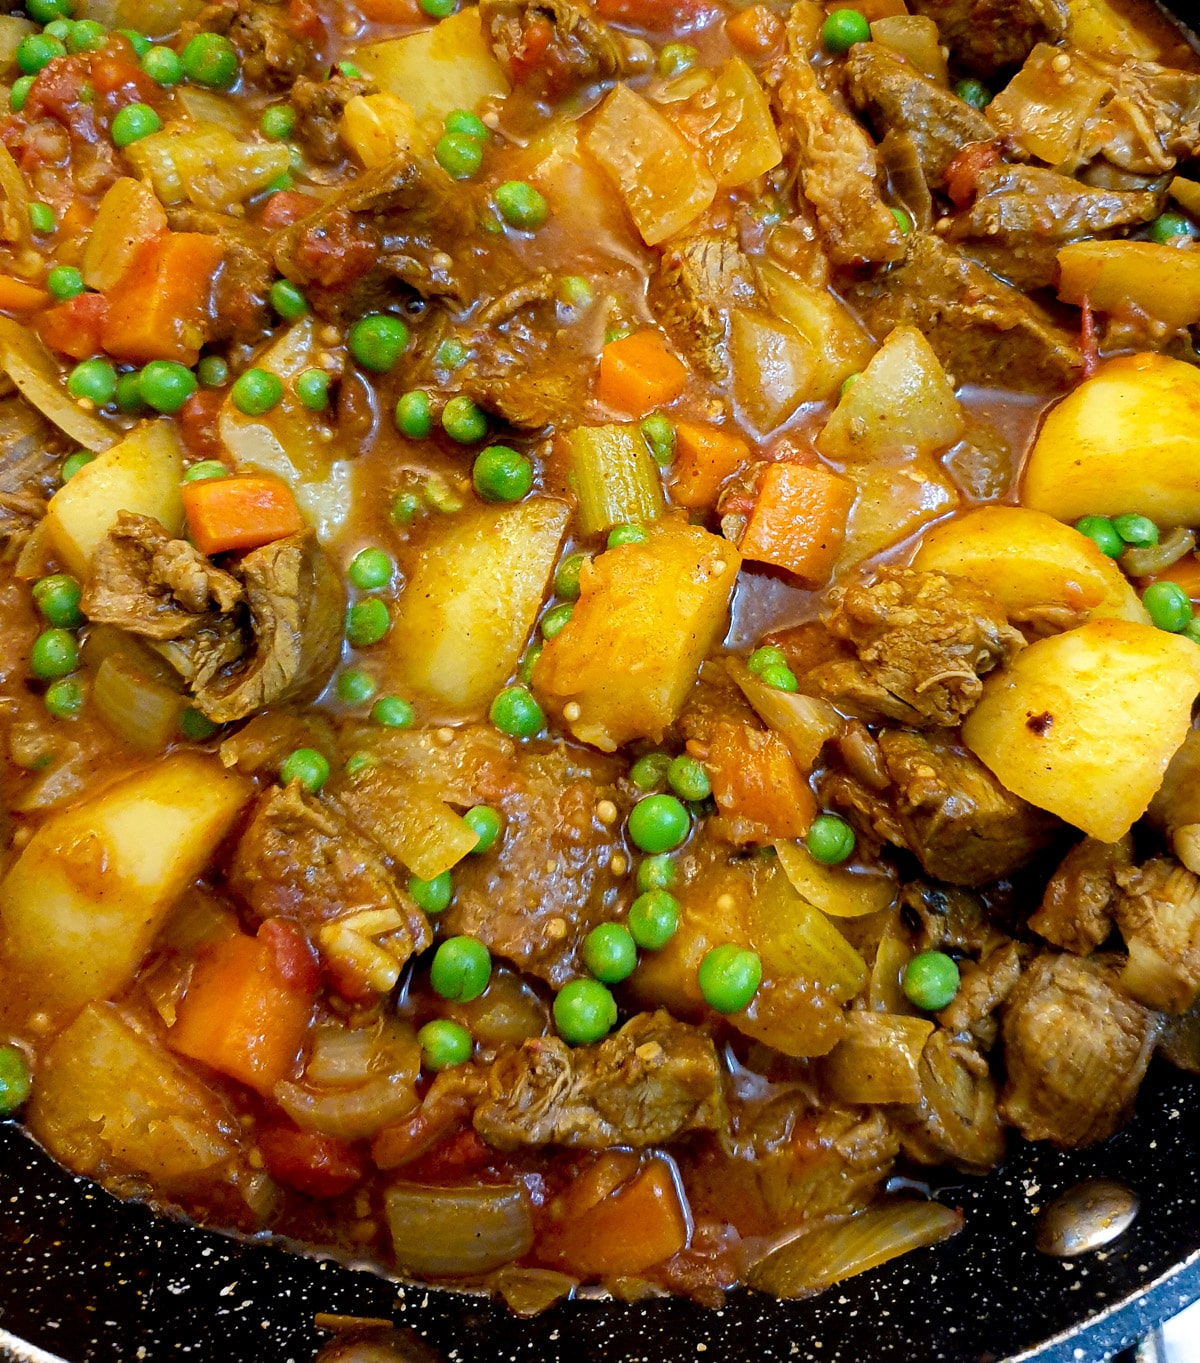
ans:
(805, 723)
(1156, 558)
(138, 709)
(824, 1256)
(530, 1291)
(877, 1059)
(457, 1232)
(340, 1056)
(836, 890)
(350, 1114)
(30, 366)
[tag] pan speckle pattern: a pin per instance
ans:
(89, 1280)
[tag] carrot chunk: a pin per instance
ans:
(704, 457)
(639, 373)
(799, 521)
(162, 307)
(755, 779)
(225, 514)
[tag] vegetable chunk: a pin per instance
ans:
(647, 616)
(1084, 723)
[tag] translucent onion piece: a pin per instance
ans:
(877, 1059)
(28, 363)
(831, 1253)
(836, 890)
(340, 1056)
(140, 710)
(891, 956)
(805, 723)
(457, 1232)
(1156, 558)
(350, 1114)
(530, 1291)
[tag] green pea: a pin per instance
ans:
(129, 393)
(675, 59)
(367, 622)
(195, 725)
(659, 823)
(566, 579)
(688, 779)
(256, 392)
(444, 1043)
(413, 418)
(451, 354)
(42, 219)
(779, 678)
(95, 380)
(279, 183)
(87, 35)
(584, 1012)
(64, 699)
(463, 421)
(287, 300)
(312, 388)
(650, 770)
(501, 474)
(487, 825)
(461, 969)
(278, 122)
(377, 341)
(163, 66)
(830, 839)
(371, 569)
(627, 534)
(16, 1082)
(393, 712)
(59, 28)
(656, 873)
(166, 385)
(528, 663)
(555, 620)
(930, 981)
(65, 281)
(57, 598)
(653, 919)
(205, 470)
(458, 155)
(55, 653)
(213, 371)
(210, 59)
(20, 93)
(1101, 531)
(515, 712)
(73, 463)
(438, 9)
(610, 953)
(432, 896)
(729, 977)
(1169, 227)
(521, 205)
(47, 11)
(307, 766)
(767, 656)
(355, 687)
(1168, 606)
(1136, 530)
(974, 93)
(903, 221)
(406, 507)
(575, 291)
(842, 29)
(468, 124)
(359, 762)
(138, 41)
(37, 50)
(134, 122)
(659, 433)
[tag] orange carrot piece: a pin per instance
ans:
(755, 779)
(639, 373)
(756, 31)
(224, 514)
(240, 1016)
(391, 11)
(799, 521)
(17, 296)
(1185, 573)
(75, 327)
(162, 307)
(704, 457)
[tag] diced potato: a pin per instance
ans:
(437, 70)
(840, 891)
(211, 107)
(774, 368)
(1084, 723)
(468, 609)
(154, 18)
(901, 401)
(83, 901)
(730, 121)
(914, 36)
(1094, 26)
(647, 616)
(1031, 564)
(1124, 441)
(12, 30)
(614, 476)
(664, 182)
(140, 474)
(1130, 277)
(1186, 194)
(841, 347)
(877, 1059)
(896, 497)
(412, 824)
(208, 165)
(109, 1099)
(129, 216)
(380, 126)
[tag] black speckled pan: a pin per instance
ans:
(86, 1279)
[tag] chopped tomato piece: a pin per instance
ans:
(286, 207)
(319, 1166)
(295, 958)
(75, 327)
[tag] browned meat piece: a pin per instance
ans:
(1077, 907)
(650, 1082)
(1075, 1049)
(986, 35)
(701, 276)
(984, 987)
(839, 171)
(296, 606)
(29, 453)
(950, 919)
(269, 54)
(318, 105)
(923, 642)
(1158, 912)
(956, 1121)
(898, 98)
(581, 48)
(982, 330)
(240, 308)
(144, 581)
(1023, 215)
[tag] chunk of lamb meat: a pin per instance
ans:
(983, 330)
(1075, 1050)
(1076, 912)
(956, 1121)
(552, 46)
(30, 450)
(319, 105)
(839, 170)
(922, 640)
(985, 985)
(268, 53)
(987, 35)
(949, 918)
(649, 1083)
(1158, 912)
(1023, 215)
(896, 97)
